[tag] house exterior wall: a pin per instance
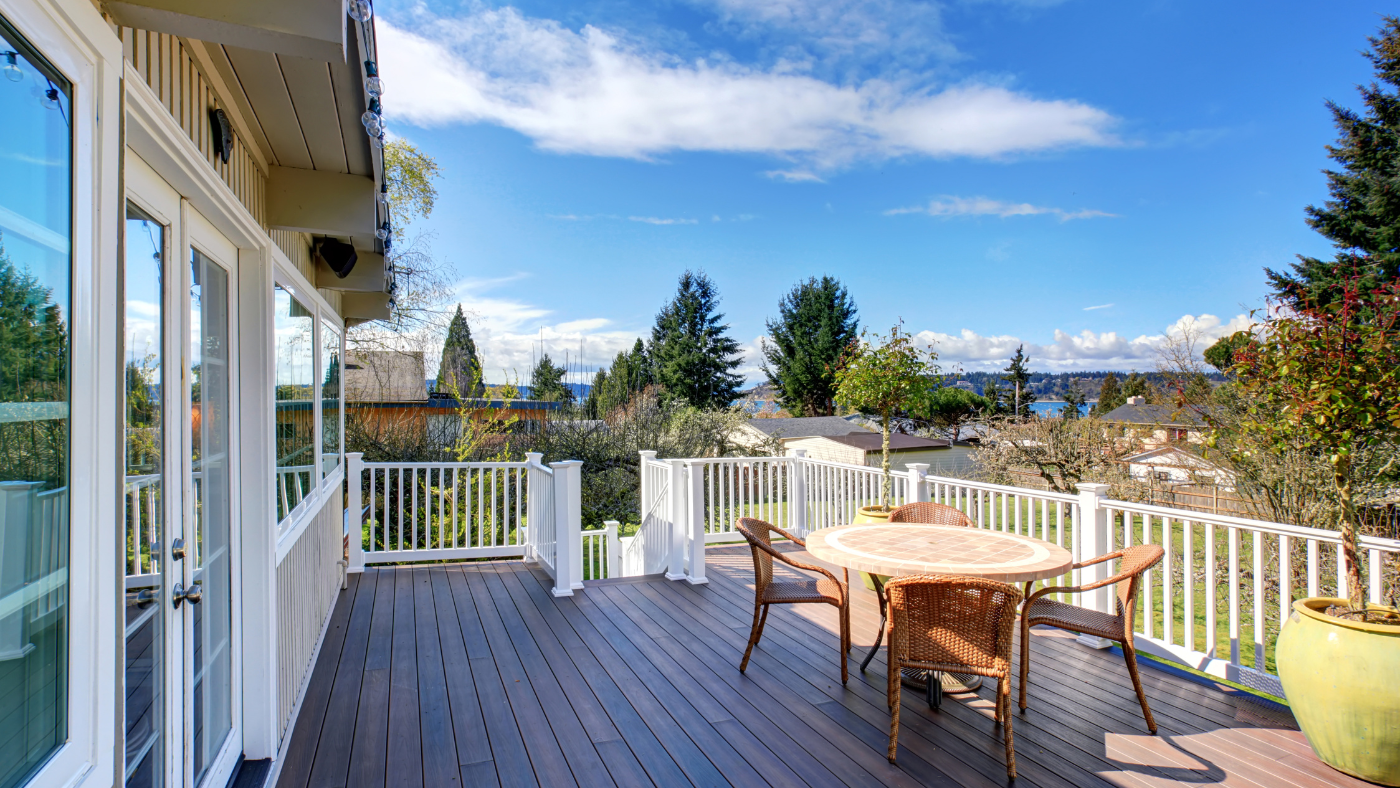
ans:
(952, 461)
(824, 449)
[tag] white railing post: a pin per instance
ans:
(695, 523)
(678, 519)
(797, 493)
(354, 511)
(532, 512)
(613, 550)
(1094, 541)
(568, 527)
(917, 492)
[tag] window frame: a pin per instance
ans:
(286, 276)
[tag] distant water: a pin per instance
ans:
(1054, 408)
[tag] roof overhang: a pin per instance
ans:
(305, 28)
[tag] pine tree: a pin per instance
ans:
(460, 371)
(1074, 402)
(1135, 386)
(816, 324)
(616, 386)
(1019, 377)
(547, 382)
(692, 356)
(1363, 217)
(1110, 395)
(995, 397)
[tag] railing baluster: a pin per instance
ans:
(1210, 590)
(1258, 606)
(1188, 586)
(1233, 536)
(1285, 579)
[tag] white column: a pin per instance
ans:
(354, 508)
(917, 491)
(1093, 542)
(614, 549)
(568, 567)
(678, 517)
(530, 554)
(797, 493)
(695, 523)
(647, 494)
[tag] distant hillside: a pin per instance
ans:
(1055, 384)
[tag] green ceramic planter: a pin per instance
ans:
(871, 514)
(1340, 677)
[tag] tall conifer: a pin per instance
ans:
(816, 323)
(692, 355)
(460, 370)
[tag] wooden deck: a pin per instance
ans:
(473, 674)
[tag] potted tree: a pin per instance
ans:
(1326, 373)
(884, 376)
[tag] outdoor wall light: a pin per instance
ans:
(373, 85)
(339, 257)
(12, 70)
(222, 130)
(359, 10)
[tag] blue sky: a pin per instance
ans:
(1080, 176)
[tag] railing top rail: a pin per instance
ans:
(718, 460)
(436, 465)
(1279, 529)
(1010, 490)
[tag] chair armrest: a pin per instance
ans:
(790, 561)
(1099, 560)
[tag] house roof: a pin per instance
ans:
(1164, 415)
(870, 441)
(805, 427)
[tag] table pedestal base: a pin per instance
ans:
(917, 679)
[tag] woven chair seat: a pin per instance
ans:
(1078, 619)
(822, 589)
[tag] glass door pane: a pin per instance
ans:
(144, 499)
(208, 526)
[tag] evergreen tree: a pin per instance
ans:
(547, 382)
(460, 370)
(614, 387)
(995, 397)
(1221, 355)
(1019, 377)
(816, 324)
(1110, 395)
(1135, 386)
(948, 408)
(1074, 400)
(1363, 217)
(692, 355)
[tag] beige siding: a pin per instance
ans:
(308, 580)
(297, 247)
(167, 67)
(824, 449)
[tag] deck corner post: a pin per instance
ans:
(613, 550)
(675, 569)
(354, 512)
(1094, 541)
(568, 527)
(529, 554)
(695, 523)
(918, 492)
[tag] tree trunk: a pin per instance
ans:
(885, 486)
(1341, 476)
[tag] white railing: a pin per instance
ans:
(410, 512)
(33, 560)
(293, 485)
(649, 550)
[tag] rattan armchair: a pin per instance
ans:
(924, 513)
(767, 591)
(953, 624)
(1040, 610)
(930, 513)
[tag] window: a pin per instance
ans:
(35, 276)
(330, 397)
(297, 473)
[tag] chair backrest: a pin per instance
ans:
(930, 513)
(759, 536)
(1135, 561)
(951, 620)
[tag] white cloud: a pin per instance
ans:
(595, 92)
(1100, 306)
(657, 220)
(984, 206)
(794, 176)
(1086, 350)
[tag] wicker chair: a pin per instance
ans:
(924, 513)
(930, 513)
(1040, 610)
(953, 624)
(767, 591)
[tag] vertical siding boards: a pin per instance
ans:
(308, 580)
(167, 67)
(297, 247)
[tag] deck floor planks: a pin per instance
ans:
(475, 673)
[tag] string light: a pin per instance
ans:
(374, 125)
(50, 99)
(374, 86)
(377, 142)
(359, 10)
(383, 196)
(12, 70)
(383, 232)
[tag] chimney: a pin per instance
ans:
(1137, 400)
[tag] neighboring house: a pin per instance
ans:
(1164, 424)
(755, 433)
(384, 376)
(864, 448)
(191, 193)
(1174, 465)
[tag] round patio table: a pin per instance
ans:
(913, 549)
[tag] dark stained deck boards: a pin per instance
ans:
(476, 675)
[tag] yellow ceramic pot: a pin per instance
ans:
(1339, 676)
(871, 514)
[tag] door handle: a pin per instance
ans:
(177, 549)
(194, 595)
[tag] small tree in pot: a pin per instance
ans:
(885, 376)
